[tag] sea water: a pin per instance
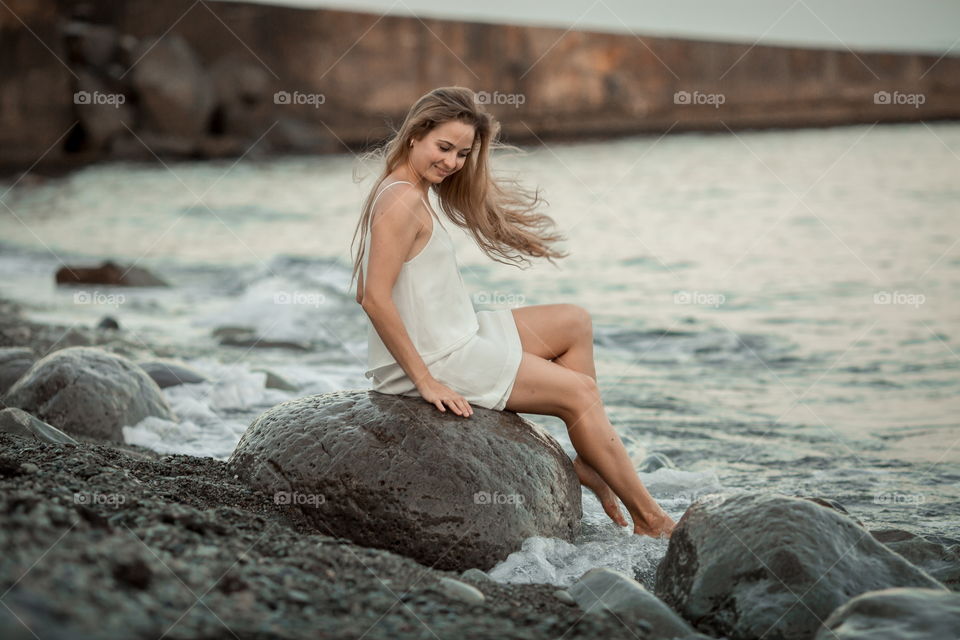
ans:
(774, 311)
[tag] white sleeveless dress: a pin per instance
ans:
(477, 354)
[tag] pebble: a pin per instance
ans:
(460, 591)
(476, 575)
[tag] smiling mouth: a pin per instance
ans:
(442, 172)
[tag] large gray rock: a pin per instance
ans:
(773, 566)
(942, 561)
(394, 473)
(110, 273)
(170, 373)
(102, 108)
(14, 362)
(175, 94)
(20, 423)
(244, 94)
(895, 614)
(606, 589)
(88, 392)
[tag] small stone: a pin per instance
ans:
(656, 461)
(298, 596)
(603, 590)
(29, 467)
(477, 575)
(460, 591)
(564, 596)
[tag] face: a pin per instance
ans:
(443, 151)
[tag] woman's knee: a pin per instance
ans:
(580, 319)
(548, 388)
(581, 394)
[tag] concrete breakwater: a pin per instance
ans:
(84, 82)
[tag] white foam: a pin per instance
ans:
(202, 427)
(275, 308)
(603, 543)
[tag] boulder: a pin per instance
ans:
(249, 338)
(462, 591)
(244, 94)
(276, 381)
(103, 109)
(942, 561)
(109, 273)
(773, 566)
(88, 392)
(656, 461)
(20, 423)
(603, 589)
(394, 473)
(168, 373)
(14, 362)
(90, 45)
(175, 93)
(895, 614)
(108, 323)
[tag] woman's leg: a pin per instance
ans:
(564, 332)
(544, 387)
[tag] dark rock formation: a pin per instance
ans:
(168, 373)
(601, 589)
(20, 423)
(895, 614)
(109, 273)
(394, 473)
(773, 566)
(88, 392)
(942, 561)
(14, 362)
(207, 89)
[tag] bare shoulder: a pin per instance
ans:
(400, 204)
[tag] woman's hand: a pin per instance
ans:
(439, 394)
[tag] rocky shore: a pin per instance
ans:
(118, 542)
(104, 539)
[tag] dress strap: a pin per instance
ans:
(429, 208)
(385, 188)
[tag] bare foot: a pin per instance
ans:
(659, 525)
(608, 499)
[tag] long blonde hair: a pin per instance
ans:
(498, 213)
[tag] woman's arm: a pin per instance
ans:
(393, 232)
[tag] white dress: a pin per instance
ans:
(477, 354)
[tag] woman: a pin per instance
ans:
(425, 338)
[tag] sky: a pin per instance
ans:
(923, 26)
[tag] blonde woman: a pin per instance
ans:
(425, 338)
